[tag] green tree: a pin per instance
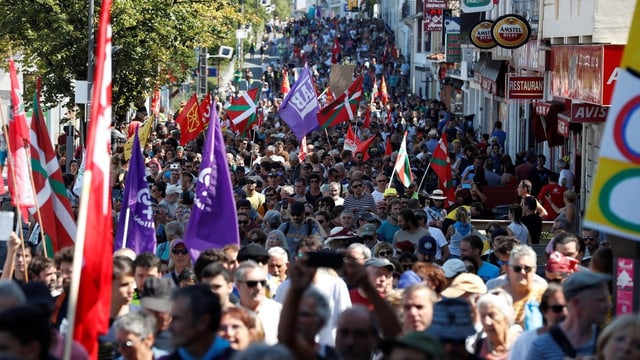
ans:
(156, 41)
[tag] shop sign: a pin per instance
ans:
(480, 35)
(542, 108)
(563, 126)
(488, 85)
(433, 20)
(474, 6)
(585, 73)
(435, 4)
(581, 112)
(453, 48)
(525, 87)
(511, 31)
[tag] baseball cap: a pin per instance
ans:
(367, 230)
(174, 243)
(453, 267)
(465, 283)
(451, 320)
(416, 340)
(173, 189)
(407, 279)
(427, 245)
(156, 294)
(390, 192)
(255, 252)
(380, 263)
(582, 280)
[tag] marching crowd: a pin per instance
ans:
(337, 258)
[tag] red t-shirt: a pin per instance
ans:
(557, 196)
(357, 298)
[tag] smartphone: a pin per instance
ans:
(466, 186)
(326, 259)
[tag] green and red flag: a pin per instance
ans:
(55, 216)
(403, 166)
(343, 108)
(442, 167)
(243, 109)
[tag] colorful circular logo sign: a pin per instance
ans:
(480, 35)
(511, 31)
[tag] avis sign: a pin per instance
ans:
(525, 87)
(588, 113)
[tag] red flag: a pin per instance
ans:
(367, 117)
(363, 147)
(155, 102)
(190, 121)
(335, 50)
(205, 108)
(384, 95)
(343, 108)
(20, 187)
(303, 149)
(330, 95)
(285, 88)
(243, 109)
(442, 167)
(350, 141)
(387, 148)
(57, 222)
(93, 263)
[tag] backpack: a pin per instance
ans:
(309, 227)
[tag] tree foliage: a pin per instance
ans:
(156, 41)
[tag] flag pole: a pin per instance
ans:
(127, 213)
(78, 255)
(38, 213)
(328, 139)
(424, 176)
(13, 181)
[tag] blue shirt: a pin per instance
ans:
(488, 271)
(545, 347)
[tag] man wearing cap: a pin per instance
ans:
(368, 235)
(255, 198)
(413, 346)
(155, 297)
(171, 199)
(297, 228)
(180, 258)
(379, 272)
(427, 249)
(587, 295)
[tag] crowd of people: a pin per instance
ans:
(337, 259)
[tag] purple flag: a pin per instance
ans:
(213, 222)
(136, 229)
(300, 107)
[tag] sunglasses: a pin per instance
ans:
(518, 268)
(126, 345)
(179, 251)
(557, 308)
(254, 283)
(385, 253)
(242, 222)
(358, 186)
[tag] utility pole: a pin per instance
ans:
(90, 63)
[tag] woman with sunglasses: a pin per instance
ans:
(526, 293)
(553, 307)
(383, 250)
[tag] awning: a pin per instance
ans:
(491, 69)
(479, 65)
(545, 122)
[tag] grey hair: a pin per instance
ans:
(287, 189)
(279, 252)
(502, 300)
(10, 289)
(523, 250)
(174, 230)
(366, 252)
(140, 323)
(273, 218)
(245, 267)
(322, 304)
(260, 351)
(282, 237)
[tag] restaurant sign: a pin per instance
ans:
(525, 87)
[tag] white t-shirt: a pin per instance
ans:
(441, 240)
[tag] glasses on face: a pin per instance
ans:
(320, 221)
(313, 181)
(382, 181)
(179, 251)
(254, 283)
(517, 268)
(385, 253)
(356, 186)
(243, 222)
(270, 195)
(557, 308)
(588, 238)
(126, 344)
